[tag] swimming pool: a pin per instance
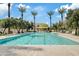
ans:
(37, 38)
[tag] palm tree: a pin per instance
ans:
(61, 11)
(34, 14)
(55, 26)
(6, 23)
(75, 18)
(50, 13)
(31, 25)
(9, 10)
(69, 20)
(9, 16)
(9, 5)
(22, 9)
(18, 25)
(3, 25)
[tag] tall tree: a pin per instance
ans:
(9, 16)
(69, 19)
(73, 20)
(34, 16)
(6, 23)
(55, 26)
(9, 5)
(61, 11)
(9, 10)
(22, 9)
(75, 17)
(50, 13)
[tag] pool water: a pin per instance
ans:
(42, 38)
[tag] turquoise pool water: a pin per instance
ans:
(42, 38)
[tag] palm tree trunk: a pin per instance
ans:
(18, 30)
(77, 26)
(62, 21)
(50, 23)
(9, 16)
(75, 31)
(62, 17)
(34, 23)
(9, 10)
(22, 31)
(22, 15)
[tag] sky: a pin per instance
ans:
(40, 8)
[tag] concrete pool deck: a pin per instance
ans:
(48, 50)
(69, 36)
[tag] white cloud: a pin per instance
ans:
(63, 6)
(3, 9)
(47, 22)
(28, 7)
(74, 6)
(56, 10)
(39, 8)
(67, 6)
(21, 5)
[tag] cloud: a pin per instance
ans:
(21, 5)
(47, 22)
(26, 6)
(3, 9)
(56, 10)
(67, 6)
(39, 8)
(63, 6)
(74, 6)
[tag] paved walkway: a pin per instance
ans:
(50, 50)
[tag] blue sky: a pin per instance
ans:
(41, 9)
